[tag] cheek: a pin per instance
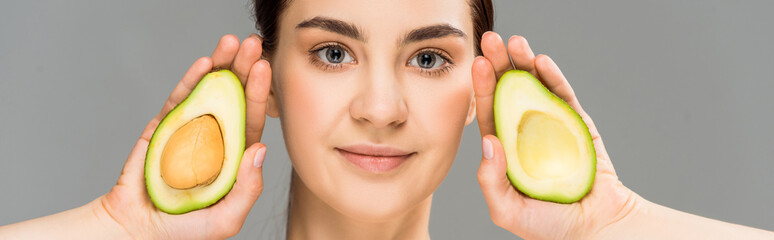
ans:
(311, 107)
(443, 110)
(440, 114)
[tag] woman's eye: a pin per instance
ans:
(334, 55)
(427, 60)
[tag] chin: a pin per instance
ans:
(378, 197)
(375, 204)
(368, 196)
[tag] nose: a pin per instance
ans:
(380, 101)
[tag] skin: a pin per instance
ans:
(379, 99)
(376, 99)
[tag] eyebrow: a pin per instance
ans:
(430, 32)
(353, 31)
(333, 25)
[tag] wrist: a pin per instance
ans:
(625, 221)
(102, 218)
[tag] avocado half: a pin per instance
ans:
(548, 147)
(194, 153)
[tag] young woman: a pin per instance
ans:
(373, 97)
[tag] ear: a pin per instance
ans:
(471, 111)
(271, 104)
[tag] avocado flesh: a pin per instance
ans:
(548, 148)
(221, 96)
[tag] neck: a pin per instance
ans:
(311, 218)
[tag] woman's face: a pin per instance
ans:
(373, 97)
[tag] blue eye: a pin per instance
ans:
(427, 60)
(334, 55)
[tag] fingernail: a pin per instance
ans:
(259, 156)
(486, 145)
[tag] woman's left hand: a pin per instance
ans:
(607, 202)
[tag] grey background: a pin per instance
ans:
(680, 91)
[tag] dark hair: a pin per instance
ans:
(267, 14)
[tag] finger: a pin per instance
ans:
(196, 72)
(248, 54)
(503, 200)
(233, 209)
(261, 40)
(484, 83)
(555, 81)
(256, 94)
(522, 55)
(132, 173)
(494, 49)
(224, 53)
(604, 164)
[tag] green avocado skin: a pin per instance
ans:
(157, 189)
(501, 107)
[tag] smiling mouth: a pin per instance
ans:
(375, 159)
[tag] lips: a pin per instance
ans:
(374, 158)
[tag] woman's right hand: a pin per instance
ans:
(128, 203)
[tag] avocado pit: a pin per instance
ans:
(194, 154)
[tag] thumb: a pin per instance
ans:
(502, 199)
(233, 209)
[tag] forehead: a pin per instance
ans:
(383, 19)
